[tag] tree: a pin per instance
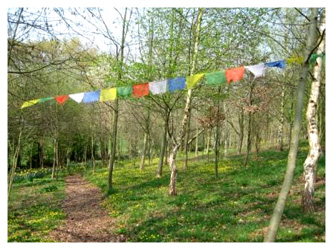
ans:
(279, 207)
(177, 142)
(310, 163)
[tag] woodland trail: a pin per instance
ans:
(86, 220)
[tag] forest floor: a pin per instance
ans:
(86, 220)
(236, 206)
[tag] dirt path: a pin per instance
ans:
(86, 220)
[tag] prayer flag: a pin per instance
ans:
(159, 87)
(61, 99)
(257, 70)
(140, 90)
(217, 77)
(295, 60)
(192, 81)
(108, 94)
(235, 74)
(41, 100)
(177, 83)
(29, 103)
(125, 91)
(279, 64)
(77, 97)
(92, 96)
(314, 57)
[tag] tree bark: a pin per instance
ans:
(177, 142)
(116, 105)
(163, 146)
(114, 145)
(249, 127)
(279, 207)
(281, 124)
(144, 149)
(310, 164)
(187, 136)
(14, 164)
(241, 131)
(92, 154)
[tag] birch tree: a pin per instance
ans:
(310, 163)
(288, 178)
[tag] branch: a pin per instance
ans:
(199, 132)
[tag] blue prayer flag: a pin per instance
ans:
(92, 96)
(177, 83)
(280, 64)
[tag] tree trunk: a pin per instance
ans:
(177, 142)
(14, 164)
(144, 149)
(30, 160)
(249, 126)
(241, 131)
(281, 124)
(187, 136)
(310, 163)
(288, 178)
(55, 156)
(41, 153)
(196, 141)
(85, 155)
(92, 154)
(113, 145)
(163, 147)
(116, 105)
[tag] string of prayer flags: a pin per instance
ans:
(235, 74)
(295, 60)
(29, 103)
(108, 94)
(92, 96)
(159, 87)
(174, 84)
(314, 57)
(192, 81)
(257, 70)
(214, 78)
(279, 64)
(140, 90)
(77, 97)
(177, 83)
(61, 99)
(125, 91)
(41, 100)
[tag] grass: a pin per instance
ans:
(34, 208)
(236, 207)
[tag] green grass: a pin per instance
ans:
(34, 209)
(236, 207)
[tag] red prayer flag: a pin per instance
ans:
(140, 90)
(235, 74)
(61, 99)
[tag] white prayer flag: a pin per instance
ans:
(257, 70)
(77, 97)
(159, 87)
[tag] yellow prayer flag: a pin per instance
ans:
(191, 81)
(29, 103)
(295, 60)
(108, 94)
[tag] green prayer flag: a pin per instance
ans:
(314, 57)
(217, 77)
(41, 100)
(124, 91)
